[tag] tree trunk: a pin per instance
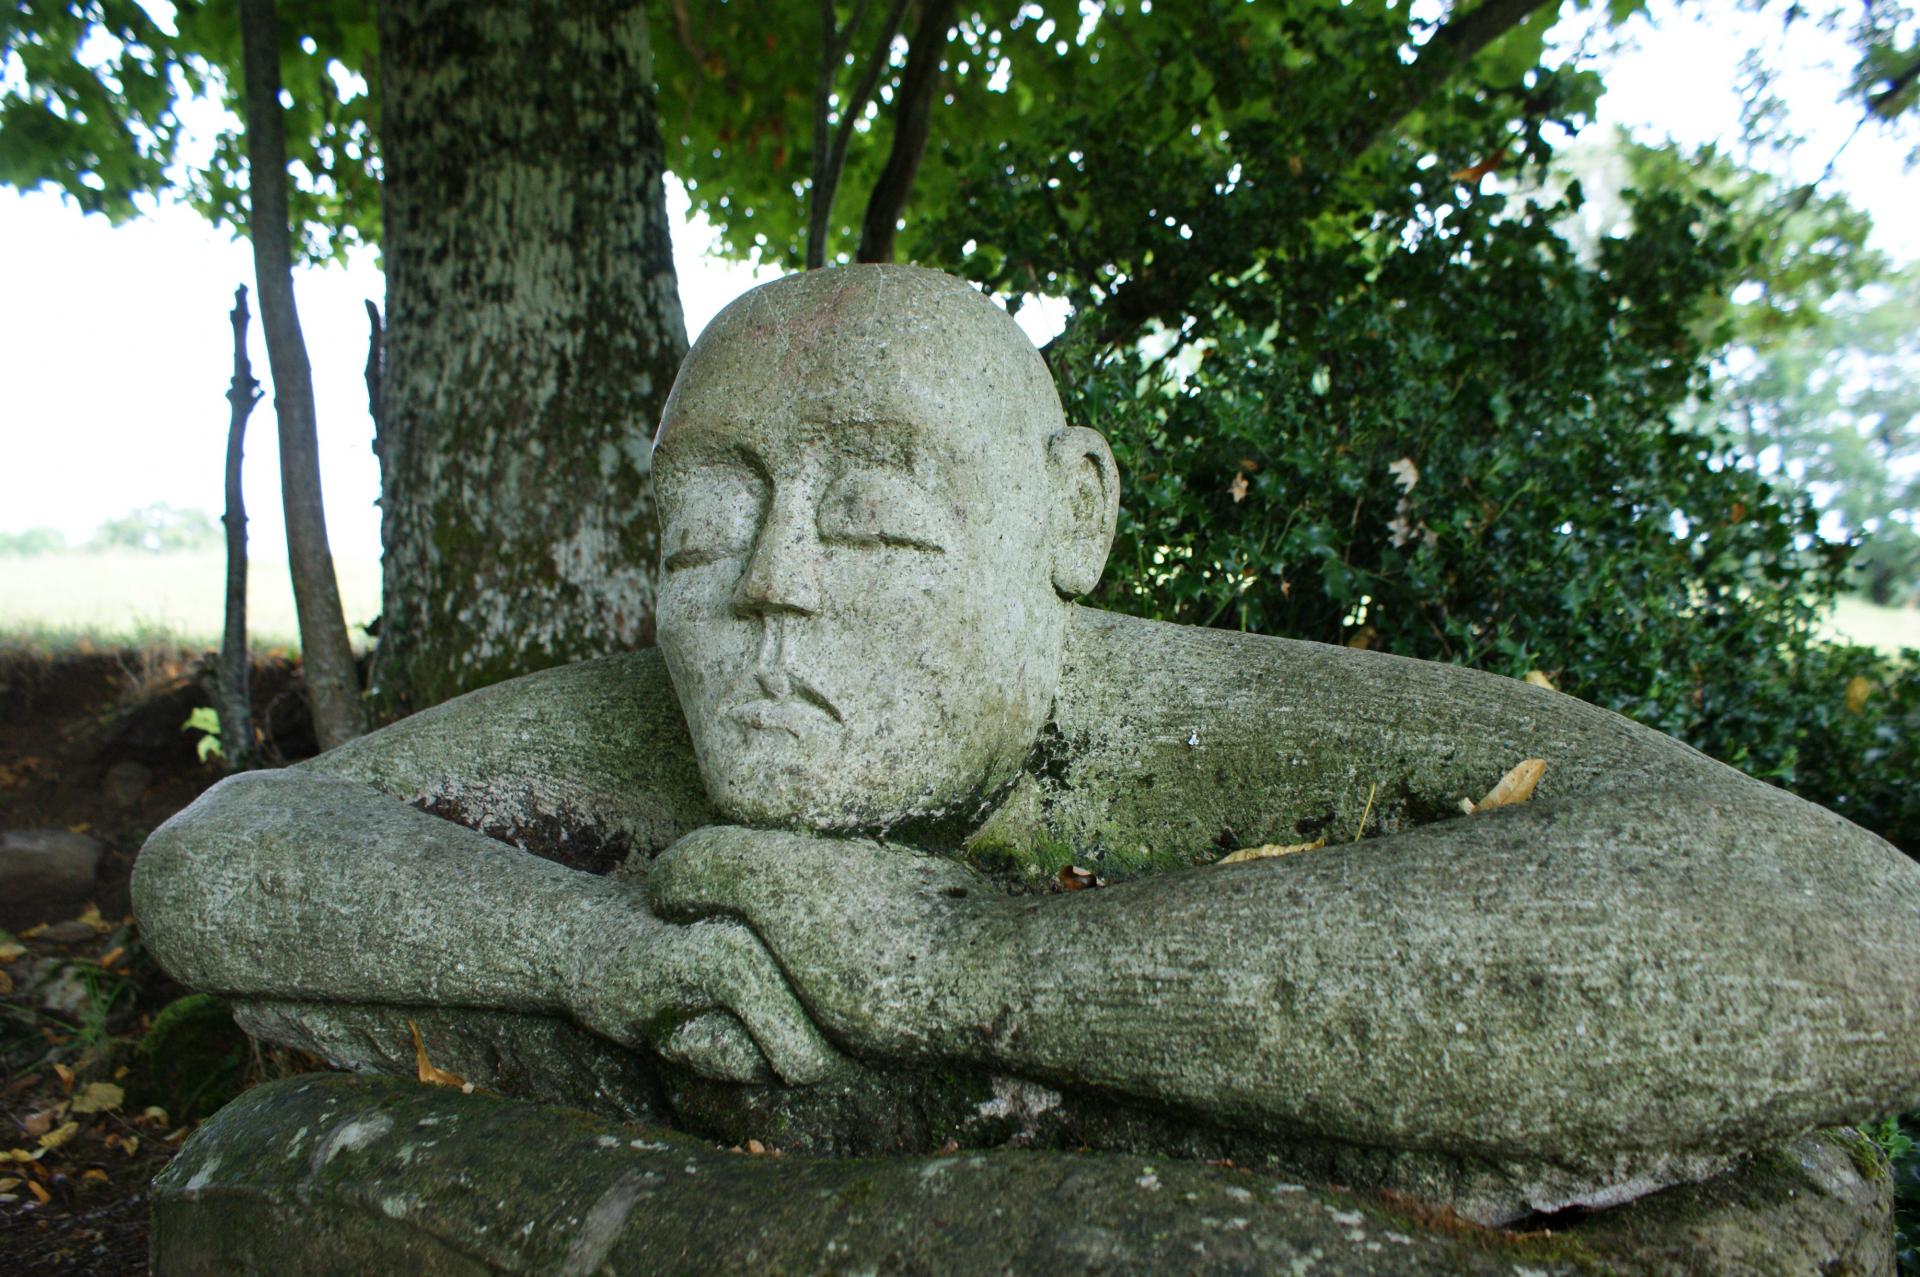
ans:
(533, 329)
(326, 658)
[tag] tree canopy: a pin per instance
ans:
(753, 94)
(1329, 301)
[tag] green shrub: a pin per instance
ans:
(1899, 1138)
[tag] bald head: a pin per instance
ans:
(872, 508)
(860, 339)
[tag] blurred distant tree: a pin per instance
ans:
(1835, 402)
(33, 541)
(159, 529)
(1150, 162)
(1819, 377)
(533, 324)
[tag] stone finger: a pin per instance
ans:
(748, 982)
(716, 1045)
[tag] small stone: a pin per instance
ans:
(45, 874)
(126, 783)
(73, 931)
(66, 993)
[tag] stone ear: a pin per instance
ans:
(1086, 508)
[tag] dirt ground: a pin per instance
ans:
(92, 1101)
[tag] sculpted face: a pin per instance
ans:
(871, 505)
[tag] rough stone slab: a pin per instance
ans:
(45, 875)
(539, 1058)
(329, 1174)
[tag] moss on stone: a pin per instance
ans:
(1868, 1157)
(191, 1060)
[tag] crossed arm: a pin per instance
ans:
(1562, 976)
(1711, 964)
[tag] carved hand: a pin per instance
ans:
(865, 932)
(707, 995)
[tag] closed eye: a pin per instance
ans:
(876, 508)
(894, 540)
(693, 557)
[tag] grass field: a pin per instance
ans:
(126, 597)
(1855, 620)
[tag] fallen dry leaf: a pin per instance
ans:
(8, 1184)
(65, 1075)
(95, 1174)
(1238, 488)
(99, 1097)
(1074, 878)
(113, 955)
(20, 1155)
(1515, 787)
(59, 1135)
(1269, 851)
(429, 1072)
(1539, 679)
(9, 950)
(91, 916)
(45, 1198)
(6, 983)
(38, 1124)
(153, 1115)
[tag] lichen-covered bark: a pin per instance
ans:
(534, 327)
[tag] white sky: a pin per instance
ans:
(115, 350)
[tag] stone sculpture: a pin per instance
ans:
(783, 872)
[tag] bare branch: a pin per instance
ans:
(1881, 103)
(1164, 287)
(830, 160)
(913, 110)
(1440, 58)
(376, 369)
(232, 690)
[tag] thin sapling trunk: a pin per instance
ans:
(333, 682)
(233, 693)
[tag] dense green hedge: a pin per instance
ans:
(1463, 446)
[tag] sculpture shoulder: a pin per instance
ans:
(596, 751)
(1173, 737)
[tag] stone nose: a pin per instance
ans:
(782, 574)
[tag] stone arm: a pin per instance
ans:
(1570, 984)
(1656, 953)
(318, 884)
(586, 764)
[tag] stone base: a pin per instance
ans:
(331, 1174)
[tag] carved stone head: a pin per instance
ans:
(873, 515)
